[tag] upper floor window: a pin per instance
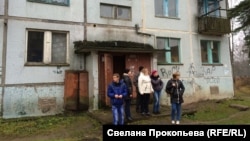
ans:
(166, 8)
(210, 52)
(209, 7)
(115, 12)
(47, 47)
(56, 2)
(172, 53)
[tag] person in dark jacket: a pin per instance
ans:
(157, 84)
(128, 82)
(117, 91)
(177, 89)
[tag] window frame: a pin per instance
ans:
(50, 2)
(115, 11)
(168, 59)
(164, 9)
(209, 52)
(47, 49)
(205, 8)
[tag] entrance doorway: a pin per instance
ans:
(119, 64)
(110, 63)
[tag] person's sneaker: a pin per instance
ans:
(177, 122)
(148, 114)
(173, 122)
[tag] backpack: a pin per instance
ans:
(169, 91)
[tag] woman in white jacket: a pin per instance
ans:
(145, 88)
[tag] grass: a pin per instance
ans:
(38, 125)
(214, 111)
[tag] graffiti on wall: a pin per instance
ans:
(166, 73)
(198, 72)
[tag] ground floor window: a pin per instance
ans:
(47, 47)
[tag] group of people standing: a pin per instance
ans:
(120, 93)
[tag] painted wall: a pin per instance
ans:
(33, 100)
(1, 7)
(23, 8)
(38, 90)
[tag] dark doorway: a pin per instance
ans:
(119, 64)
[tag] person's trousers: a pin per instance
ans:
(127, 108)
(176, 111)
(118, 114)
(156, 106)
(145, 103)
(138, 101)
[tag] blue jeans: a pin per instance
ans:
(156, 107)
(176, 111)
(118, 114)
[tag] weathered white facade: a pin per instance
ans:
(27, 88)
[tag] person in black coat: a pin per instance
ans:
(127, 80)
(176, 89)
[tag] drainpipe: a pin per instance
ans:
(146, 34)
(6, 3)
(231, 45)
(85, 31)
(141, 33)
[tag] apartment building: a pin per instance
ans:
(60, 55)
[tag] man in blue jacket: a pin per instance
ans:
(117, 91)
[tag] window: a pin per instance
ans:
(115, 12)
(166, 8)
(56, 2)
(172, 45)
(47, 47)
(207, 6)
(210, 52)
